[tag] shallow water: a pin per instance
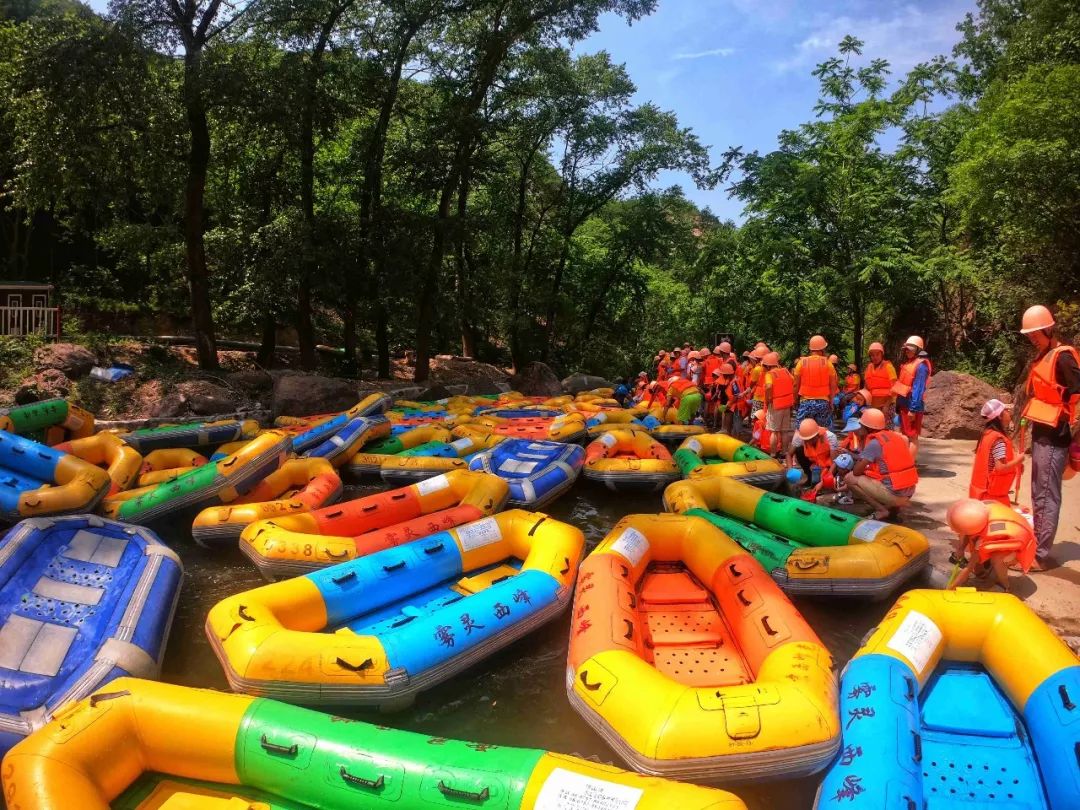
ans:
(516, 697)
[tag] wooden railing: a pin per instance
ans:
(30, 320)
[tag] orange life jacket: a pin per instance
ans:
(783, 388)
(903, 384)
(987, 484)
(852, 382)
(679, 388)
(878, 379)
(1007, 532)
(663, 371)
(758, 382)
(761, 435)
(851, 442)
(897, 457)
(711, 364)
(818, 451)
(814, 377)
(1046, 398)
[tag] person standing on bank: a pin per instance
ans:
(910, 389)
(1053, 412)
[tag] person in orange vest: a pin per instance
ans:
(812, 446)
(994, 471)
(885, 474)
(989, 532)
(779, 400)
(852, 380)
(852, 441)
(656, 396)
(1053, 412)
(815, 384)
(725, 396)
(685, 396)
(878, 379)
(910, 389)
(760, 436)
(755, 381)
(663, 368)
(641, 386)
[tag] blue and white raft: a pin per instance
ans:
(83, 600)
(339, 446)
(958, 700)
(379, 629)
(538, 472)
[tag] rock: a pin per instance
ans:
(536, 380)
(578, 382)
(72, 359)
(251, 382)
(953, 402)
(47, 384)
(485, 388)
(433, 393)
(310, 394)
(198, 398)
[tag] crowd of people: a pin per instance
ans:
(856, 432)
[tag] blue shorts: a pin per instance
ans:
(820, 410)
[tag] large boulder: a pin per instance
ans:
(197, 398)
(310, 394)
(536, 380)
(252, 381)
(434, 393)
(72, 359)
(578, 382)
(953, 402)
(48, 384)
(485, 387)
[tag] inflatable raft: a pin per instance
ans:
(674, 435)
(166, 464)
(379, 629)
(83, 600)
(810, 550)
(107, 451)
(194, 434)
(958, 699)
(629, 461)
(176, 748)
(370, 457)
(50, 422)
(39, 481)
(344, 443)
(434, 458)
(300, 485)
(713, 455)
(371, 405)
(217, 482)
(538, 472)
(566, 428)
(690, 662)
(298, 544)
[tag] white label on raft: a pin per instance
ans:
(916, 639)
(566, 790)
(693, 445)
(632, 544)
(512, 465)
(461, 444)
(481, 533)
(608, 440)
(867, 530)
(429, 485)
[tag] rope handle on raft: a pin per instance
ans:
(917, 740)
(404, 621)
(742, 599)
(434, 549)
(768, 629)
(584, 678)
(374, 784)
(274, 748)
(629, 634)
(566, 565)
(1063, 693)
(241, 611)
(472, 795)
(367, 664)
(100, 696)
(395, 567)
(343, 578)
(806, 565)
(910, 684)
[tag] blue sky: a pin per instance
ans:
(738, 71)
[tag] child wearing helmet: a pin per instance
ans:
(989, 532)
(910, 388)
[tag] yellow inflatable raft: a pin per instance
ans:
(370, 458)
(107, 450)
(629, 461)
(426, 461)
(690, 662)
(711, 455)
(168, 463)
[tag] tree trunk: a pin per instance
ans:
(462, 266)
(382, 341)
(350, 364)
(202, 316)
(857, 319)
(268, 346)
(425, 305)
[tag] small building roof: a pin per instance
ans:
(25, 285)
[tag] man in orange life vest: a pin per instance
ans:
(779, 399)
(815, 384)
(878, 380)
(1053, 411)
(884, 475)
(910, 388)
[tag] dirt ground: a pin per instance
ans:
(945, 471)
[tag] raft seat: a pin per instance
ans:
(670, 588)
(485, 579)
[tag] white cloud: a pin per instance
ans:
(704, 54)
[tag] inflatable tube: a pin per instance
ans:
(291, 545)
(83, 600)
(370, 457)
(528, 413)
(380, 629)
(810, 550)
(174, 747)
(958, 699)
(673, 435)
(40, 481)
(219, 482)
(168, 463)
(689, 661)
(50, 421)
(354, 434)
(300, 485)
(538, 472)
(629, 461)
(371, 405)
(105, 450)
(435, 458)
(195, 434)
(567, 428)
(717, 454)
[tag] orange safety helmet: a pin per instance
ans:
(873, 419)
(727, 369)
(865, 394)
(833, 358)
(694, 356)
(761, 345)
(724, 348)
(852, 367)
(1036, 319)
(818, 344)
(875, 347)
(968, 517)
(916, 342)
(809, 429)
(704, 351)
(759, 353)
(771, 359)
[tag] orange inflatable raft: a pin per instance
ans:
(629, 461)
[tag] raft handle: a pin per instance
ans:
(918, 746)
(367, 664)
(395, 567)
(243, 614)
(768, 629)
(804, 512)
(838, 518)
(274, 748)
(374, 784)
(100, 696)
(535, 526)
(1064, 694)
(910, 687)
(633, 601)
(742, 599)
(734, 571)
(566, 565)
(434, 549)
(584, 678)
(471, 795)
(629, 635)
(403, 622)
(343, 578)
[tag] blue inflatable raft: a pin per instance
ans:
(339, 446)
(83, 600)
(958, 700)
(538, 472)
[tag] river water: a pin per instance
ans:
(517, 697)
